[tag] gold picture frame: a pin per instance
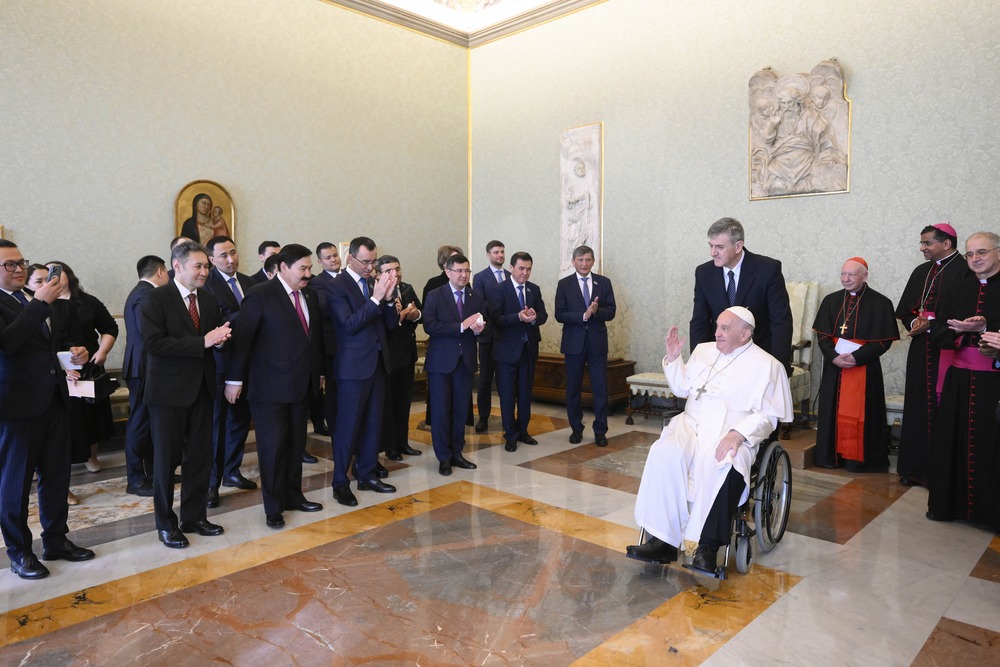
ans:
(221, 214)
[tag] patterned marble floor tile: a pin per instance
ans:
(988, 567)
(843, 513)
(956, 644)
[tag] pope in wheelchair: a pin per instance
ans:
(698, 473)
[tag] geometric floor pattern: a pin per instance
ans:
(518, 562)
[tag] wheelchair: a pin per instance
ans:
(765, 514)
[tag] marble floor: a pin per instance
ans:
(520, 562)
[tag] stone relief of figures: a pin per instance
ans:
(580, 197)
(799, 132)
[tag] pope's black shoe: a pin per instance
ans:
(28, 567)
(66, 550)
(654, 550)
(706, 559)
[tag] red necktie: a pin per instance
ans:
(193, 310)
(298, 309)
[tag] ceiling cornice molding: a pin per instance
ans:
(405, 19)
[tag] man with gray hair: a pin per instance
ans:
(698, 471)
(737, 277)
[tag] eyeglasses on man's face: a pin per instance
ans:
(12, 266)
(982, 252)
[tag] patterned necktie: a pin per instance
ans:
(586, 292)
(520, 295)
(236, 291)
(298, 309)
(732, 288)
(364, 287)
(458, 302)
(193, 310)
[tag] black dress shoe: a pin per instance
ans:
(275, 521)
(482, 425)
(906, 481)
(939, 517)
(460, 461)
(173, 538)
(445, 468)
(344, 496)
(527, 439)
(375, 485)
(706, 559)
(308, 458)
(410, 451)
(305, 506)
(144, 489)
(511, 446)
(576, 437)
(66, 551)
(380, 471)
(654, 550)
(203, 528)
(395, 456)
(321, 429)
(240, 482)
(29, 567)
(601, 440)
(212, 499)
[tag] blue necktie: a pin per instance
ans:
(731, 292)
(586, 292)
(364, 287)
(520, 295)
(499, 273)
(236, 291)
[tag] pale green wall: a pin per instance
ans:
(322, 123)
(669, 80)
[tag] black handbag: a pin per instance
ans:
(104, 384)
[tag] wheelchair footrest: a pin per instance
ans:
(720, 572)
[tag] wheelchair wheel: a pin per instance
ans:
(744, 554)
(772, 496)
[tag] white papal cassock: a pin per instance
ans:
(746, 391)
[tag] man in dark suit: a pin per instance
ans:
(403, 359)
(738, 277)
(181, 324)
(278, 348)
(483, 282)
(138, 442)
(34, 419)
(516, 310)
(230, 422)
(585, 301)
(453, 318)
(264, 250)
(329, 260)
(362, 313)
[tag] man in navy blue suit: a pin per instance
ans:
(362, 312)
(483, 282)
(331, 267)
(230, 422)
(585, 301)
(278, 349)
(181, 324)
(138, 442)
(453, 318)
(34, 419)
(738, 277)
(516, 310)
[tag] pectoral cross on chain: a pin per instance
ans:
(843, 328)
(701, 390)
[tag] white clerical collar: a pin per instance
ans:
(938, 262)
(738, 351)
